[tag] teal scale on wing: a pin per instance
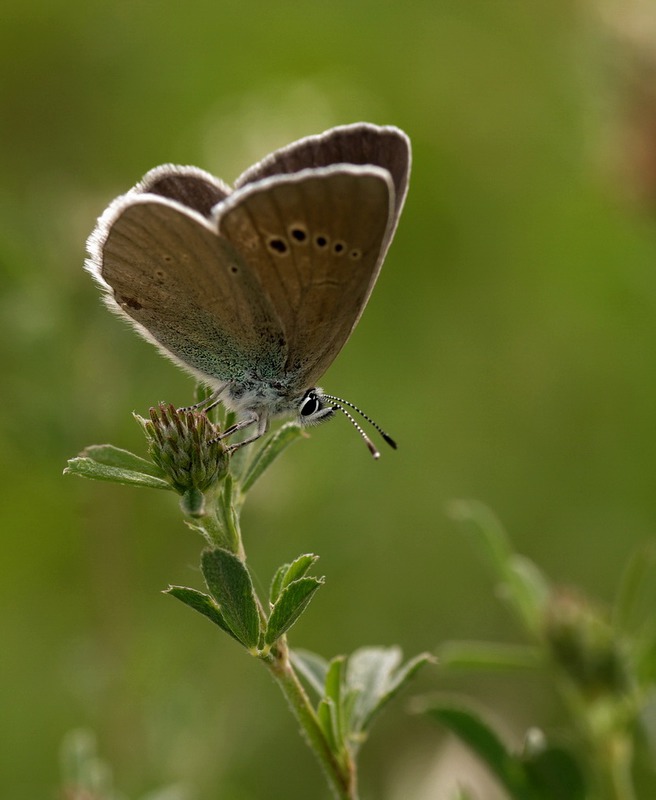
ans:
(190, 291)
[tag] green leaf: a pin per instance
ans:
(225, 529)
(312, 667)
(488, 656)
(402, 676)
(267, 454)
(554, 772)
(527, 591)
(88, 468)
(369, 669)
(334, 676)
(333, 689)
(230, 584)
(327, 719)
(202, 603)
(354, 738)
(290, 572)
(523, 585)
(486, 531)
(299, 567)
(293, 600)
(373, 673)
(112, 456)
(276, 583)
(484, 741)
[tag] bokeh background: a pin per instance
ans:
(510, 347)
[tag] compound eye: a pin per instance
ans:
(310, 405)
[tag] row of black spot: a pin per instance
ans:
(279, 246)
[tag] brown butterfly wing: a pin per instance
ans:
(316, 240)
(187, 289)
(361, 144)
(190, 186)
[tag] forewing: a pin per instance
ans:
(185, 288)
(316, 240)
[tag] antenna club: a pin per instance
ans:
(390, 441)
(373, 451)
(385, 436)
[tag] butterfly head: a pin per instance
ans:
(316, 406)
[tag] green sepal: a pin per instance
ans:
(104, 462)
(289, 606)
(192, 503)
(202, 603)
(267, 454)
(287, 573)
(230, 585)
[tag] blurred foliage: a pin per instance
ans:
(600, 660)
(508, 347)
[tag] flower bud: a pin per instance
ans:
(185, 446)
(585, 646)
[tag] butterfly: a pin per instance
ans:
(255, 289)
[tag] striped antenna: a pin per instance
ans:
(375, 425)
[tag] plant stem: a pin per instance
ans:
(224, 530)
(341, 778)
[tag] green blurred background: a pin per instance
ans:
(509, 347)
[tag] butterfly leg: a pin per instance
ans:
(208, 403)
(262, 427)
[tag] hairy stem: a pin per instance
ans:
(341, 777)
